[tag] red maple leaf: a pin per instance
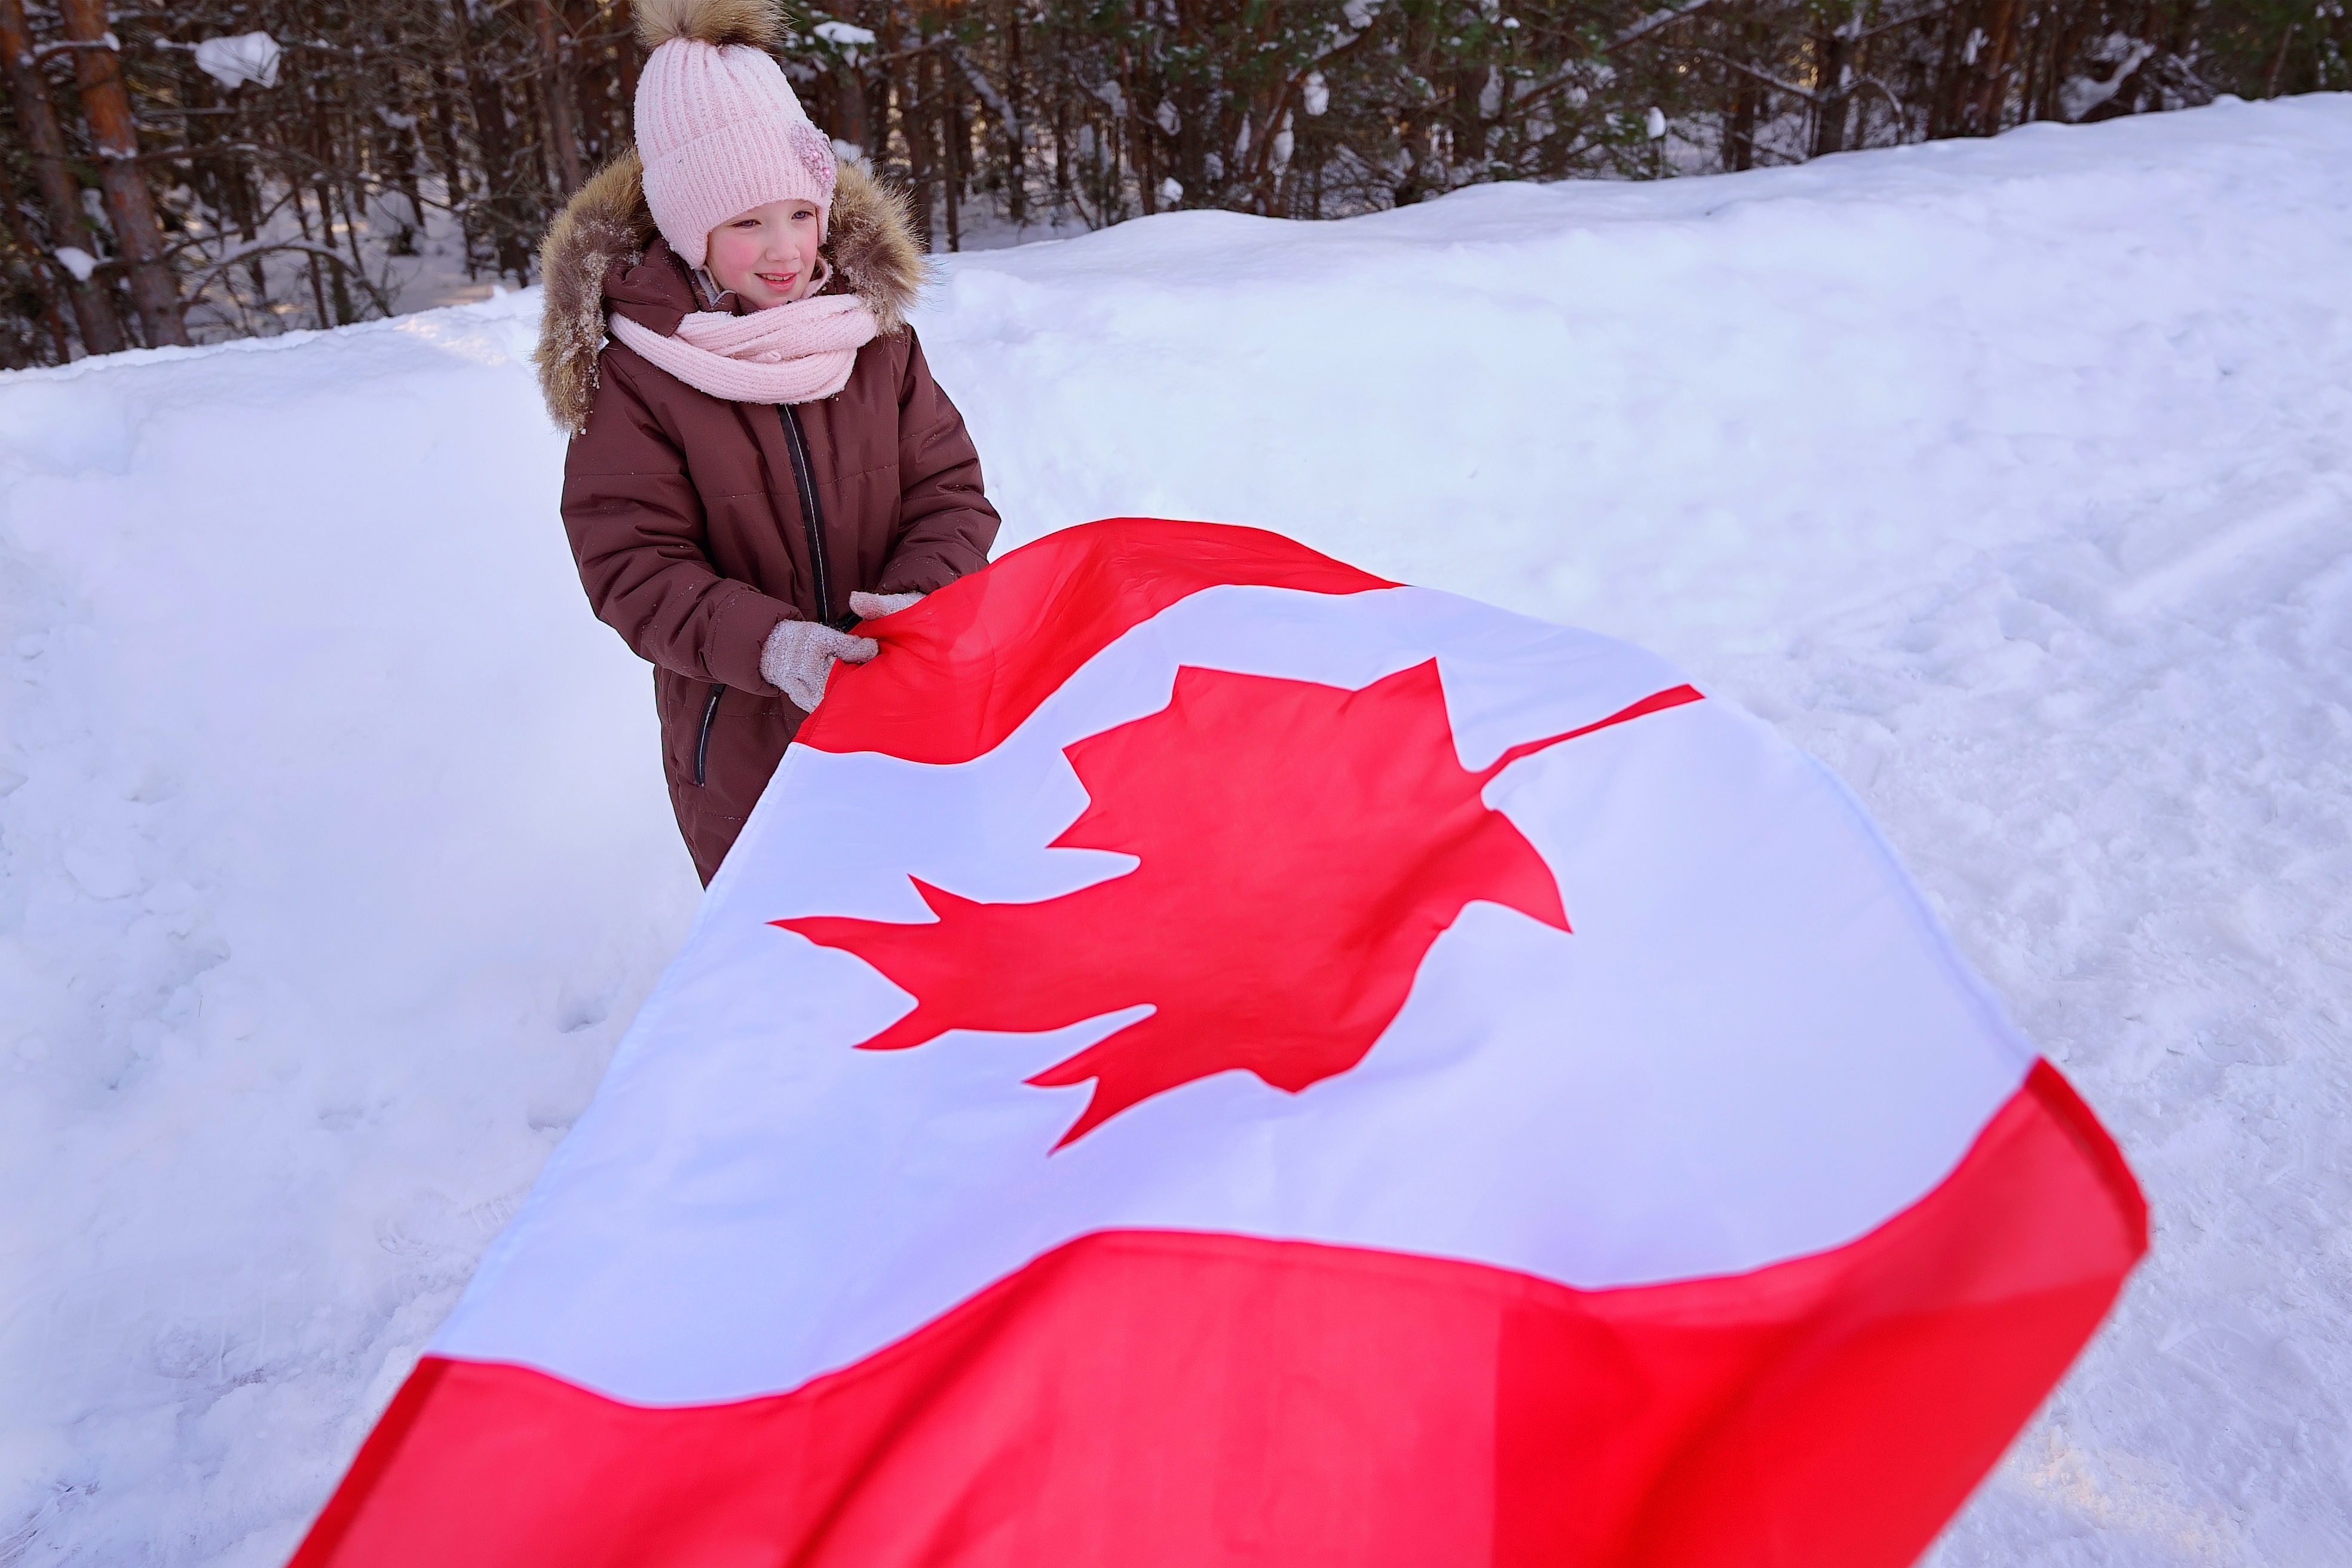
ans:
(1301, 847)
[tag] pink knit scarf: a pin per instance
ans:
(787, 353)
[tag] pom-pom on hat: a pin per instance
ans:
(718, 125)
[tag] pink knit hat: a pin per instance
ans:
(717, 126)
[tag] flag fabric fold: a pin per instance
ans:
(1204, 1056)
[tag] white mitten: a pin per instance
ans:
(799, 654)
(874, 606)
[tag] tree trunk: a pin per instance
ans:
(556, 98)
(1988, 90)
(1062, 152)
(317, 289)
(953, 142)
(1739, 129)
(43, 273)
(403, 146)
(1833, 54)
(444, 139)
(589, 75)
(129, 204)
(337, 285)
(625, 22)
(1016, 161)
(849, 90)
(2278, 62)
(491, 131)
(914, 125)
(45, 144)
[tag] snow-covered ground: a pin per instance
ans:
(2014, 479)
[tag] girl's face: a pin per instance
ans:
(766, 255)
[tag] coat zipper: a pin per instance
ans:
(702, 741)
(812, 519)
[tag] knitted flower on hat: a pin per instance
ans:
(718, 125)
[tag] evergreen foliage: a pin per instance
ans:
(286, 199)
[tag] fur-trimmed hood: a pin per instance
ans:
(603, 253)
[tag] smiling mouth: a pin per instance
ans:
(779, 281)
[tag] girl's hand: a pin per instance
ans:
(798, 655)
(872, 606)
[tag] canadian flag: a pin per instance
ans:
(1205, 1057)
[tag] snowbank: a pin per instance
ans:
(2012, 478)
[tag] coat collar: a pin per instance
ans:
(603, 253)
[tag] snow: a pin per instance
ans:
(247, 58)
(2011, 477)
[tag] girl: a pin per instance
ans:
(759, 454)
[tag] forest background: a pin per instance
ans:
(209, 169)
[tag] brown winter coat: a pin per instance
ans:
(684, 509)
